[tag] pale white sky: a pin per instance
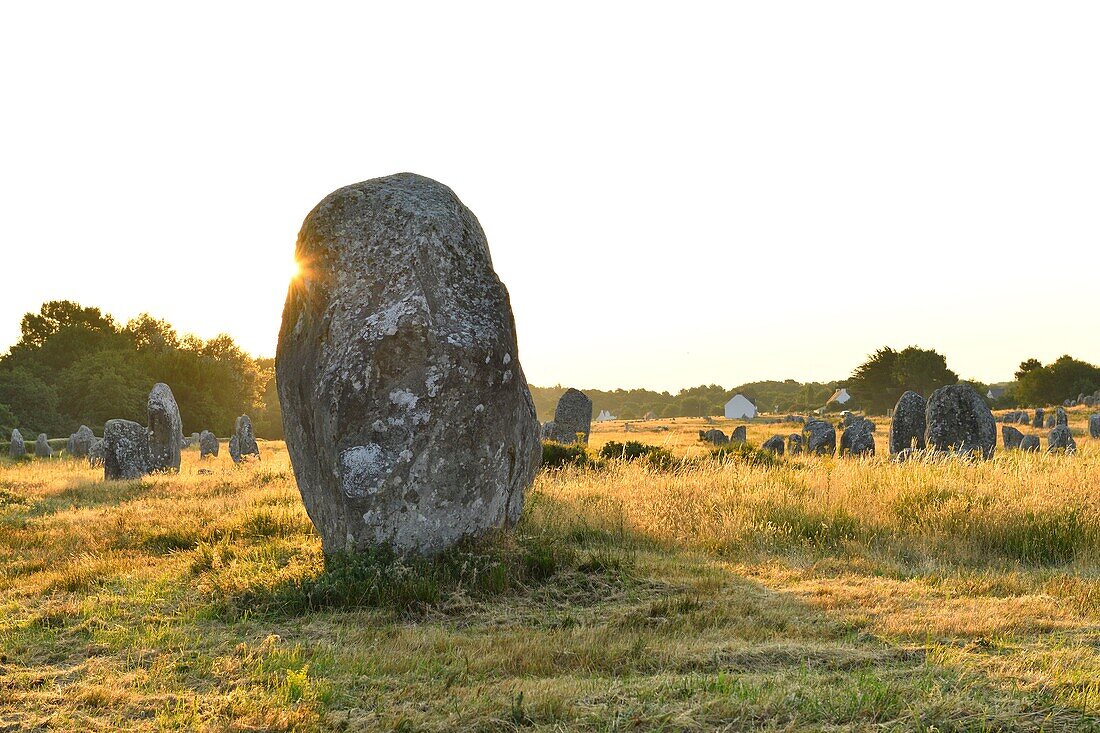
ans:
(674, 193)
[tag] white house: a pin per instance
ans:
(740, 407)
(840, 397)
(604, 416)
(995, 393)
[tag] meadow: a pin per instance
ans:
(795, 594)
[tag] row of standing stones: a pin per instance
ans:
(408, 420)
(129, 450)
(954, 420)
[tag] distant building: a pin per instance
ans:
(740, 407)
(840, 397)
(604, 416)
(995, 393)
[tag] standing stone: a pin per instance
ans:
(42, 447)
(958, 419)
(1094, 425)
(1060, 417)
(70, 445)
(165, 429)
(794, 444)
(572, 417)
(408, 420)
(1061, 439)
(81, 442)
(1038, 421)
(18, 448)
(95, 453)
(774, 444)
(125, 450)
(739, 435)
(548, 429)
(820, 438)
(208, 444)
(1010, 437)
(243, 444)
(858, 439)
(1051, 421)
(1029, 444)
(715, 436)
(1025, 419)
(907, 425)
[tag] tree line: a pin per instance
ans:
(75, 365)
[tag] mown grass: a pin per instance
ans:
(710, 594)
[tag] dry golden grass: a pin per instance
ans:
(814, 594)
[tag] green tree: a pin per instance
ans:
(922, 370)
(1063, 379)
(31, 401)
(105, 385)
(878, 382)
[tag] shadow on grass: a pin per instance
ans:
(85, 495)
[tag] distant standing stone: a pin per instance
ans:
(1060, 417)
(794, 444)
(573, 417)
(820, 438)
(1025, 419)
(408, 419)
(715, 436)
(125, 450)
(208, 444)
(81, 441)
(957, 419)
(246, 446)
(858, 439)
(165, 429)
(548, 430)
(738, 435)
(1038, 421)
(42, 447)
(907, 425)
(1051, 421)
(95, 453)
(774, 444)
(18, 448)
(1061, 439)
(1030, 444)
(1094, 425)
(1010, 437)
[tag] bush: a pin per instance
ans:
(556, 455)
(651, 455)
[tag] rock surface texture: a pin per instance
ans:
(42, 447)
(1030, 444)
(572, 418)
(907, 425)
(715, 436)
(243, 443)
(1061, 439)
(1037, 422)
(165, 430)
(95, 453)
(407, 416)
(958, 420)
(794, 444)
(858, 439)
(774, 444)
(208, 444)
(1094, 425)
(820, 437)
(18, 447)
(82, 441)
(739, 435)
(125, 450)
(1010, 437)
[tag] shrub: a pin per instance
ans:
(651, 455)
(557, 455)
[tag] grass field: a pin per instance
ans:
(808, 594)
